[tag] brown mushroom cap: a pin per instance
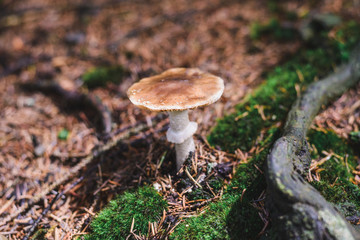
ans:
(176, 89)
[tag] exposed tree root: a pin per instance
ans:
(298, 211)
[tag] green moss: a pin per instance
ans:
(355, 137)
(114, 222)
(272, 29)
(328, 141)
(243, 213)
(100, 76)
(215, 183)
(227, 219)
(346, 38)
(208, 226)
(234, 217)
(335, 179)
(63, 134)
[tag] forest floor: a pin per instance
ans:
(43, 137)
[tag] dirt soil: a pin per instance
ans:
(58, 41)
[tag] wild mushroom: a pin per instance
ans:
(177, 90)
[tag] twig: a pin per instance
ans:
(7, 204)
(47, 209)
(191, 178)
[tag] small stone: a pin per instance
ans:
(75, 38)
(29, 102)
(157, 187)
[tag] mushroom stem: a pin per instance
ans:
(180, 133)
(179, 120)
(183, 150)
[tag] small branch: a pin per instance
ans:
(47, 209)
(191, 178)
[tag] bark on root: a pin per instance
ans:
(297, 210)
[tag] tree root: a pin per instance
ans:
(297, 210)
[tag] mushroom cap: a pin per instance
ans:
(176, 89)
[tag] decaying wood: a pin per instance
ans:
(298, 211)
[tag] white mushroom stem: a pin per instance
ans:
(183, 150)
(180, 132)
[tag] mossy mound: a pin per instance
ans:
(101, 76)
(144, 205)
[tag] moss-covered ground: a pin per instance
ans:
(273, 29)
(336, 178)
(114, 222)
(101, 76)
(255, 122)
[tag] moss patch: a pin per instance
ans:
(63, 134)
(272, 29)
(355, 137)
(215, 183)
(336, 178)
(114, 222)
(222, 221)
(254, 123)
(101, 76)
